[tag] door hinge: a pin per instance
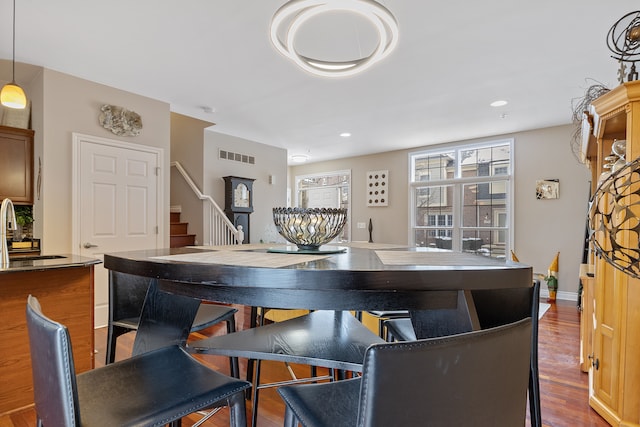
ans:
(157, 170)
(157, 230)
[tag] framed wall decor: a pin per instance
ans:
(378, 188)
(547, 189)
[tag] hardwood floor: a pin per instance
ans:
(564, 387)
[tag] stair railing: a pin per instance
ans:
(221, 230)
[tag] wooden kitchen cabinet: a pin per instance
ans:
(614, 390)
(67, 296)
(16, 165)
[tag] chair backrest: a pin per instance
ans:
(54, 378)
(497, 307)
(478, 378)
(165, 320)
(126, 295)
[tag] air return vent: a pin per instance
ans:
(237, 157)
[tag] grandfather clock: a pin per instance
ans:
(238, 196)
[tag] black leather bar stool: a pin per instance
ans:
(494, 308)
(126, 297)
(153, 388)
(329, 339)
(472, 379)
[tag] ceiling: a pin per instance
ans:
(452, 60)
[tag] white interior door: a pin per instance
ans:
(117, 206)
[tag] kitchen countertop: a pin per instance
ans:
(47, 262)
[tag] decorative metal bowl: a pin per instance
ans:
(309, 228)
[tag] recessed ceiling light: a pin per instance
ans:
(345, 134)
(299, 158)
(499, 103)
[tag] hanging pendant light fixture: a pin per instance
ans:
(288, 20)
(12, 95)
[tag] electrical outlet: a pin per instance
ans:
(362, 225)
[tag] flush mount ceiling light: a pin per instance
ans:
(299, 158)
(499, 103)
(12, 95)
(289, 19)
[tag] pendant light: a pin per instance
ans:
(295, 13)
(12, 95)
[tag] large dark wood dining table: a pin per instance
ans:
(363, 277)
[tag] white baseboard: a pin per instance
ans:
(563, 295)
(101, 316)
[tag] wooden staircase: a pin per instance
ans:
(178, 234)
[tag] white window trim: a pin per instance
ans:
(299, 178)
(457, 182)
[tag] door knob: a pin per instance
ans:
(89, 245)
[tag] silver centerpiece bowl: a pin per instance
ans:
(309, 228)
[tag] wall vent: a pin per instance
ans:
(237, 157)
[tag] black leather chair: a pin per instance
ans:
(329, 339)
(383, 315)
(154, 388)
(126, 296)
(477, 378)
(493, 308)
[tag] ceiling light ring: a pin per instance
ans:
(299, 11)
(323, 67)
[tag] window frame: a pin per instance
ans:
(458, 183)
(347, 230)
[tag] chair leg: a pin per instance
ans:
(253, 322)
(237, 410)
(111, 346)
(233, 361)
(254, 398)
(289, 418)
(113, 332)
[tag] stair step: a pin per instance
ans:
(174, 217)
(178, 228)
(180, 240)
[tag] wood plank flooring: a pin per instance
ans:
(564, 387)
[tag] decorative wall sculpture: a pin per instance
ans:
(378, 188)
(120, 121)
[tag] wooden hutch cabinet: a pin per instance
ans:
(615, 326)
(16, 165)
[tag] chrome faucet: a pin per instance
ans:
(6, 209)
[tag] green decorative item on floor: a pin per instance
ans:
(552, 278)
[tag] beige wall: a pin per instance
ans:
(64, 104)
(542, 227)
(269, 161)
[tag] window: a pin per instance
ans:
(461, 198)
(326, 190)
